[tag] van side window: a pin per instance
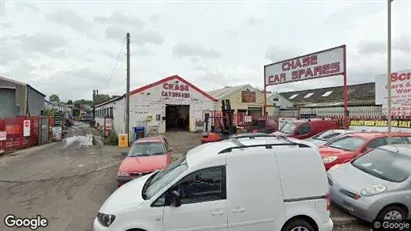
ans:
(377, 143)
(303, 129)
(203, 185)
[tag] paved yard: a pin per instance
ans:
(68, 185)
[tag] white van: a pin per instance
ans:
(241, 184)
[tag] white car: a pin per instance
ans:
(326, 136)
(240, 184)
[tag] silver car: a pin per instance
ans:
(324, 137)
(376, 185)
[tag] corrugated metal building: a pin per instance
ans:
(19, 99)
(330, 101)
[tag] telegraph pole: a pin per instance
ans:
(95, 94)
(389, 70)
(128, 90)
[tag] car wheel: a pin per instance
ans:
(298, 225)
(392, 212)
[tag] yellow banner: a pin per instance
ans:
(381, 123)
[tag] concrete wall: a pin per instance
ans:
(35, 101)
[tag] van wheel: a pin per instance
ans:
(392, 212)
(298, 225)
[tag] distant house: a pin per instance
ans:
(19, 99)
(243, 99)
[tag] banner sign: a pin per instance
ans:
(26, 128)
(400, 93)
(381, 123)
(248, 97)
(316, 65)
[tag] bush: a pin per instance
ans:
(112, 139)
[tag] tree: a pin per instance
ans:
(101, 98)
(70, 102)
(54, 98)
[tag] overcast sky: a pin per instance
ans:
(71, 47)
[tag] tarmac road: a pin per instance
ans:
(68, 185)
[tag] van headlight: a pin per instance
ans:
(373, 190)
(105, 219)
(329, 159)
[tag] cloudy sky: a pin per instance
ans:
(71, 47)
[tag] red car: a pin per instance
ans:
(350, 146)
(303, 129)
(145, 156)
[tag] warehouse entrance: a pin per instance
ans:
(177, 117)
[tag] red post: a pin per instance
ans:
(345, 89)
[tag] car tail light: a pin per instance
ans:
(328, 202)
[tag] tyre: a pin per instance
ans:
(392, 212)
(298, 225)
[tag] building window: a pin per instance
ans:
(308, 95)
(293, 96)
(327, 93)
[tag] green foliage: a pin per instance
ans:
(70, 102)
(48, 112)
(102, 98)
(112, 139)
(54, 98)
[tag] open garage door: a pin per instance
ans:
(255, 112)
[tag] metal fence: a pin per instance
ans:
(12, 132)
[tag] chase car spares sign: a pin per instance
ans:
(176, 90)
(400, 93)
(317, 65)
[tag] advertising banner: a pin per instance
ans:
(400, 93)
(248, 97)
(381, 123)
(320, 64)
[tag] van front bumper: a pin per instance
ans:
(98, 227)
(328, 226)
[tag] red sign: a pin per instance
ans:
(176, 90)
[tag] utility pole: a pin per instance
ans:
(128, 90)
(389, 69)
(95, 94)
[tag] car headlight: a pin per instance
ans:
(105, 219)
(329, 159)
(205, 134)
(123, 174)
(373, 190)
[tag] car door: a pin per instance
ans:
(203, 202)
(303, 131)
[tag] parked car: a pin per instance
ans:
(326, 136)
(376, 185)
(347, 147)
(145, 156)
(245, 183)
(302, 129)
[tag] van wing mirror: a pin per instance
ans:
(176, 198)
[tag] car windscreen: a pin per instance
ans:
(384, 164)
(146, 149)
(288, 128)
(328, 135)
(347, 143)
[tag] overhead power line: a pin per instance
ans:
(118, 58)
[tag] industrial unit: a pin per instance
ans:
(170, 104)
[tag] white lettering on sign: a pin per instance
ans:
(321, 64)
(175, 90)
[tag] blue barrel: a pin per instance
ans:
(139, 131)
